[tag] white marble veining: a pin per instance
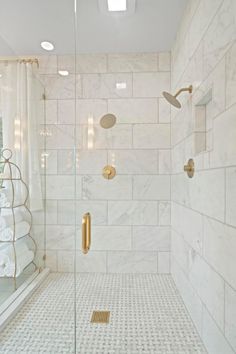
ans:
(149, 136)
(152, 187)
(151, 238)
(151, 84)
(133, 62)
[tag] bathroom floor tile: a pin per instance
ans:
(147, 315)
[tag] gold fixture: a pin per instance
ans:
(108, 121)
(173, 99)
(109, 172)
(86, 233)
(100, 317)
(189, 168)
(22, 60)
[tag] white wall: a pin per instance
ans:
(204, 208)
(131, 213)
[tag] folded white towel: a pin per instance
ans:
(22, 228)
(7, 219)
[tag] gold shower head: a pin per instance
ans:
(172, 99)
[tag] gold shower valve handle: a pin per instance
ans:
(189, 168)
(109, 172)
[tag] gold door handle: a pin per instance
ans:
(86, 233)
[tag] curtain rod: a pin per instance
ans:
(25, 61)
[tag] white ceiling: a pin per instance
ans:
(25, 23)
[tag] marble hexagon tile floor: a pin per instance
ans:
(147, 316)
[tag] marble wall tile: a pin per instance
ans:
(51, 211)
(66, 62)
(87, 108)
(134, 110)
(219, 247)
(231, 196)
(91, 63)
(47, 64)
(91, 161)
(60, 237)
(181, 251)
(97, 209)
(66, 212)
(51, 111)
(132, 62)
(163, 264)
(164, 111)
(98, 188)
(105, 85)
(60, 136)
(220, 35)
(60, 187)
(151, 136)
(66, 261)
(151, 187)
(51, 260)
(164, 61)
(134, 161)
(231, 76)
(192, 221)
(224, 148)
(119, 137)
(150, 84)
(49, 162)
(230, 315)
(66, 162)
(66, 112)
(164, 213)
(58, 87)
(151, 238)
(111, 238)
(209, 286)
(188, 293)
(94, 262)
(132, 262)
(165, 162)
(213, 338)
(132, 213)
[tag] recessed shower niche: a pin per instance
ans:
(203, 124)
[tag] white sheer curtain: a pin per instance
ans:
(20, 109)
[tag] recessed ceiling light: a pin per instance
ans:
(47, 45)
(63, 72)
(117, 5)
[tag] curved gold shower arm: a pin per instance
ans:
(189, 89)
(86, 233)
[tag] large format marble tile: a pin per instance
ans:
(90, 108)
(151, 187)
(230, 315)
(111, 238)
(97, 209)
(98, 188)
(163, 262)
(60, 187)
(231, 196)
(151, 84)
(59, 87)
(66, 212)
(107, 85)
(132, 62)
(94, 262)
(209, 286)
(91, 63)
(91, 161)
(151, 136)
(132, 213)
(60, 136)
(60, 237)
(51, 111)
(224, 132)
(164, 61)
(134, 110)
(66, 112)
(132, 262)
(219, 248)
(151, 238)
(214, 340)
(164, 213)
(231, 76)
(130, 162)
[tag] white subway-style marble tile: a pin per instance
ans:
(132, 62)
(151, 238)
(151, 187)
(151, 136)
(150, 84)
(132, 262)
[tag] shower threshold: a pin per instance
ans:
(16, 300)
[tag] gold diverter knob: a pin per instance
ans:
(189, 168)
(109, 172)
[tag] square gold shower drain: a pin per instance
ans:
(100, 317)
